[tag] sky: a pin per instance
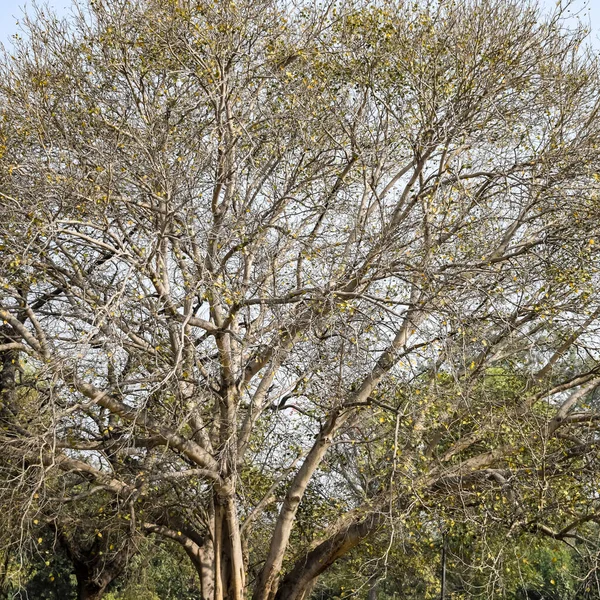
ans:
(10, 11)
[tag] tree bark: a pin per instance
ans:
(236, 553)
(308, 567)
(200, 550)
(372, 595)
(218, 533)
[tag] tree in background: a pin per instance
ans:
(256, 255)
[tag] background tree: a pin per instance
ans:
(256, 255)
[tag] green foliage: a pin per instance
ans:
(157, 572)
(46, 574)
(161, 572)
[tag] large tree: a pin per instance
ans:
(256, 253)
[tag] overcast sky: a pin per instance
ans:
(10, 11)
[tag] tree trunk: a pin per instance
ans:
(88, 589)
(200, 550)
(9, 360)
(207, 573)
(310, 566)
(93, 577)
(237, 570)
(266, 584)
(267, 581)
(202, 557)
(372, 595)
(218, 564)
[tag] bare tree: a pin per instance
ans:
(240, 241)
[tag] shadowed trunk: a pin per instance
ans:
(372, 595)
(89, 588)
(9, 360)
(93, 572)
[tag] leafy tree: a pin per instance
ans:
(284, 275)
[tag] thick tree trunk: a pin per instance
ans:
(93, 575)
(207, 573)
(308, 590)
(218, 533)
(202, 558)
(236, 555)
(213, 554)
(205, 568)
(88, 589)
(200, 550)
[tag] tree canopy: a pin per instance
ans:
(281, 282)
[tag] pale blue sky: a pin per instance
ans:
(10, 11)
